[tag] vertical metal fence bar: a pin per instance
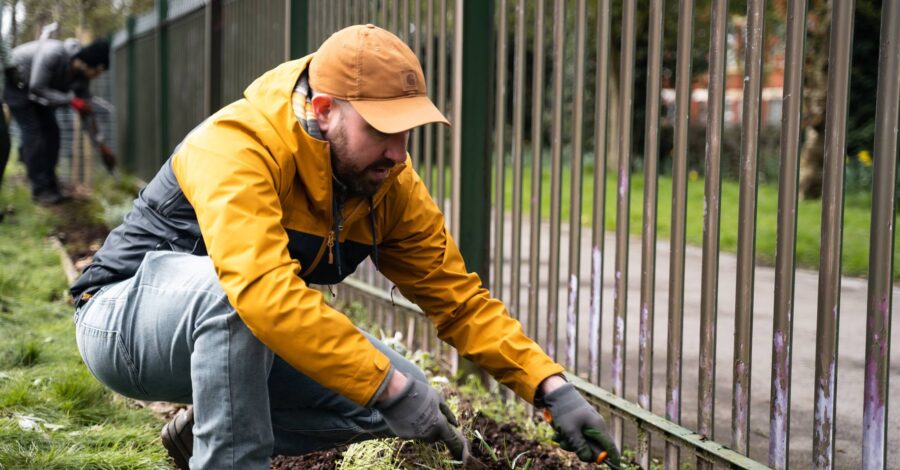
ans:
(517, 144)
(575, 198)
(709, 290)
(383, 14)
(312, 26)
(679, 217)
(429, 79)
(878, 332)
(395, 18)
(743, 326)
(329, 20)
(417, 48)
(404, 21)
(598, 230)
(559, 19)
(499, 149)
(537, 109)
(785, 257)
(648, 239)
(623, 200)
(456, 143)
(832, 226)
(442, 105)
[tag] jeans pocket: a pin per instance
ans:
(104, 354)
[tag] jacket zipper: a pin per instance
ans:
(334, 239)
(315, 261)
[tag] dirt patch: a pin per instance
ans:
(322, 460)
(78, 231)
(501, 447)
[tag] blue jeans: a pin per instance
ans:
(170, 334)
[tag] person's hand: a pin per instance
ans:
(418, 411)
(579, 428)
(82, 106)
(109, 158)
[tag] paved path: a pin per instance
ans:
(851, 344)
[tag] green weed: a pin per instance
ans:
(22, 353)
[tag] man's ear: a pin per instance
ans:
(323, 105)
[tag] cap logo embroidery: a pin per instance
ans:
(410, 82)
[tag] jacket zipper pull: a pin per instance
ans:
(330, 243)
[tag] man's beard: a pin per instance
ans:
(355, 179)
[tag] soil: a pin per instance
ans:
(506, 441)
(322, 460)
(80, 235)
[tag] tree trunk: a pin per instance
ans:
(814, 98)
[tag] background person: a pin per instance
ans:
(46, 74)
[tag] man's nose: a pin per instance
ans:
(396, 150)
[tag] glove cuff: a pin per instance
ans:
(386, 405)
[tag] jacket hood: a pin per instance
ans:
(271, 95)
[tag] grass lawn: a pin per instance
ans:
(857, 208)
(53, 413)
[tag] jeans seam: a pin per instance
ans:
(133, 374)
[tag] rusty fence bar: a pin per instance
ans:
(555, 178)
(648, 237)
(746, 262)
(782, 331)
(881, 252)
(575, 195)
(518, 141)
(832, 225)
(537, 110)
(429, 84)
(679, 216)
(623, 199)
(440, 193)
(598, 230)
(416, 145)
(499, 149)
(712, 203)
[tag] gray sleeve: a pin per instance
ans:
(47, 60)
(5, 54)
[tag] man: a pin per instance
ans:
(201, 295)
(47, 74)
(5, 145)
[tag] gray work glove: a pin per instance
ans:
(579, 428)
(419, 412)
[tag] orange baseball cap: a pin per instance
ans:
(378, 74)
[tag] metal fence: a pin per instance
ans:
(537, 93)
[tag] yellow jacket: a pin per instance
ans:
(261, 188)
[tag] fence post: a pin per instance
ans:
(213, 78)
(162, 57)
(131, 96)
(299, 28)
(473, 131)
(475, 121)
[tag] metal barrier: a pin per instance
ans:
(524, 79)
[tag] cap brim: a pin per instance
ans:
(398, 115)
